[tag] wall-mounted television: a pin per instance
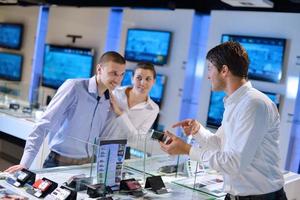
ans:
(157, 90)
(11, 66)
(266, 56)
(63, 62)
(216, 107)
(11, 35)
(148, 45)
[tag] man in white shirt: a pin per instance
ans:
(245, 148)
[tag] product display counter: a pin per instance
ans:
(62, 174)
(177, 184)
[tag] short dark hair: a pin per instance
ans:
(231, 54)
(147, 66)
(112, 56)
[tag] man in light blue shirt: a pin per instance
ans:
(75, 117)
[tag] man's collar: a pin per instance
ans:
(93, 88)
(106, 94)
(93, 85)
(235, 96)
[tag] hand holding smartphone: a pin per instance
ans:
(160, 136)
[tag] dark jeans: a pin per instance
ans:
(277, 195)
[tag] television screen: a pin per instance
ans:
(10, 66)
(147, 45)
(11, 35)
(216, 107)
(157, 90)
(62, 63)
(266, 56)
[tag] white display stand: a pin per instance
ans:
(21, 127)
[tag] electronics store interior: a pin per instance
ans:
(120, 99)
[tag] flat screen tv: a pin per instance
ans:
(11, 35)
(148, 45)
(216, 107)
(11, 66)
(266, 56)
(157, 90)
(63, 62)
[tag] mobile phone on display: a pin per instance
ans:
(42, 185)
(21, 176)
(133, 185)
(59, 194)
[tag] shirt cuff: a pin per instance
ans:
(198, 136)
(195, 154)
(26, 160)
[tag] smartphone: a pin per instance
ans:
(160, 136)
(59, 193)
(42, 185)
(22, 176)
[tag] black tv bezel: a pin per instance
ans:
(66, 47)
(21, 68)
(264, 38)
(21, 35)
(150, 30)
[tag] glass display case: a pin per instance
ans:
(93, 163)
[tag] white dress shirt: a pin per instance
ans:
(245, 148)
(134, 121)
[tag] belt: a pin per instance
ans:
(64, 160)
(269, 196)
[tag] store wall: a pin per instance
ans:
(90, 23)
(27, 16)
(265, 24)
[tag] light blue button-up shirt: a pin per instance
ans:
(73, 119)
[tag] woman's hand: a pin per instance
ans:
(114, 104)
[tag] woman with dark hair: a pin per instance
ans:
(134, 110)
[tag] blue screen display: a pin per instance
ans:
(266, 56)
(157, 90)
(10, 66)
(62, 63)
(11, 35)
(147, 45)
(216, 107)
